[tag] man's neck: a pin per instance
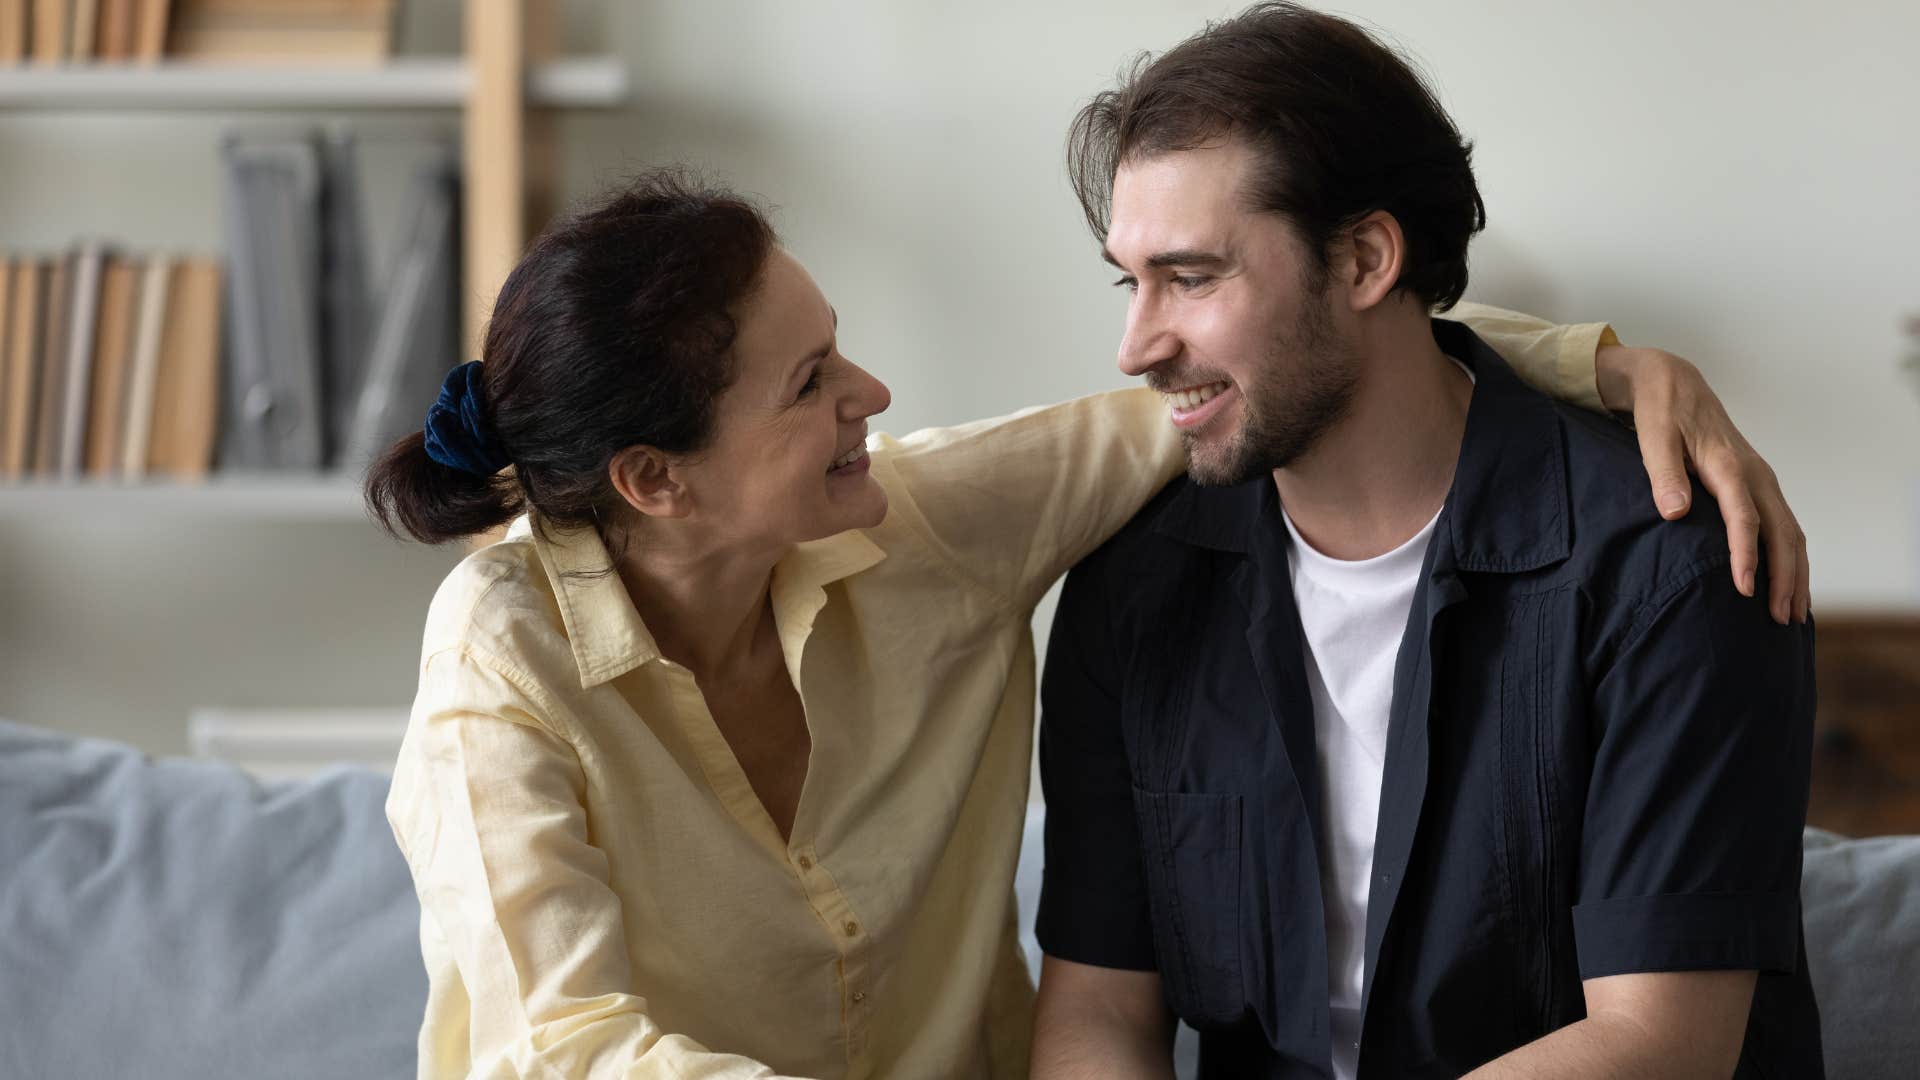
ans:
(1377, 477)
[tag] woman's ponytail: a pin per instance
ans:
(409, 492)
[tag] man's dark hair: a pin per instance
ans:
(1342, 123)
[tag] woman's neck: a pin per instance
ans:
(708, 608)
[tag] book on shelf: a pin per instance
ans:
(7, 318)
(49, 32)
(82, 30)
(52, 358)
(13, 31)
(253, 31)
(151, 18)
(27, 306)
(143, 369)
(106, 420)
(83, 317)
(115, 39)
(47, 29)
(187, 390)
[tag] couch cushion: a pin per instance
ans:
(177, 919)
(1860, 903)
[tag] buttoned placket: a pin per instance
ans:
(844, 928)
(798, 596)
(850, 940)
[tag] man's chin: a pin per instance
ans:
(1217, 466)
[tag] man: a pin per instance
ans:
(1400, 738)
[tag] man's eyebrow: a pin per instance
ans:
(1178, 257)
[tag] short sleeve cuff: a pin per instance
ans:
(1695, 932)
(1086, 928)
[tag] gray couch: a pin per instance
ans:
(171, 918)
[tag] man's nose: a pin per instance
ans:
(1148, 340)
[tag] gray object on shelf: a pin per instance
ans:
(346, 302)
(271, 404)
(416, 334)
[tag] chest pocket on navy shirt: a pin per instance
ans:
(1190, 845)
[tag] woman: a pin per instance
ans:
(719, 761)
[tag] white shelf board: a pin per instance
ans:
(253, 496)
(406, 83)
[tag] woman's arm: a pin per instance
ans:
(1012, 502)
(485, 804)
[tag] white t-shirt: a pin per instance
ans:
(1354, 614)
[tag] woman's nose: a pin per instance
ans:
(870, 396)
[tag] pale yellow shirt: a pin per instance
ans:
(602, 893)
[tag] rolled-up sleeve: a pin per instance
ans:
(1093, 907)
(488, 806)
(1691, 843)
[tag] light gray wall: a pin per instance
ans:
(1734, 181)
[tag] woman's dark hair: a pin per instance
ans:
(1343, 124)
(615, 329)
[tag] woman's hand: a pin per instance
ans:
(1682, 424)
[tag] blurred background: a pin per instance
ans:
(1735, 182)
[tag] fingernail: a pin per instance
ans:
(1746, 583)
(1673, 502)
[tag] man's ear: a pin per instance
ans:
(1379, 255)
(649, 482)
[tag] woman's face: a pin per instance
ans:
(789, 461)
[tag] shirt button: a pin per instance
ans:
(852, 928)
(806, 863)
(859, 996)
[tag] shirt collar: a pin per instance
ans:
(1507, 512)
(606, 632)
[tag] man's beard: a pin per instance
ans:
(1302, 387)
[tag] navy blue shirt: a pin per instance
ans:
(1597, 763)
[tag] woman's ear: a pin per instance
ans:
(649, 482)
(1379, 255)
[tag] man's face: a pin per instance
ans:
(1230, 317)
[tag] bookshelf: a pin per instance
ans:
(226, 496)
(503, 86)
(508, 68)
(407, 83)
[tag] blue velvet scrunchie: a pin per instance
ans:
(458, 435)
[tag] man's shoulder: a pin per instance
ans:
(1621, 548)
(1145, 539)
